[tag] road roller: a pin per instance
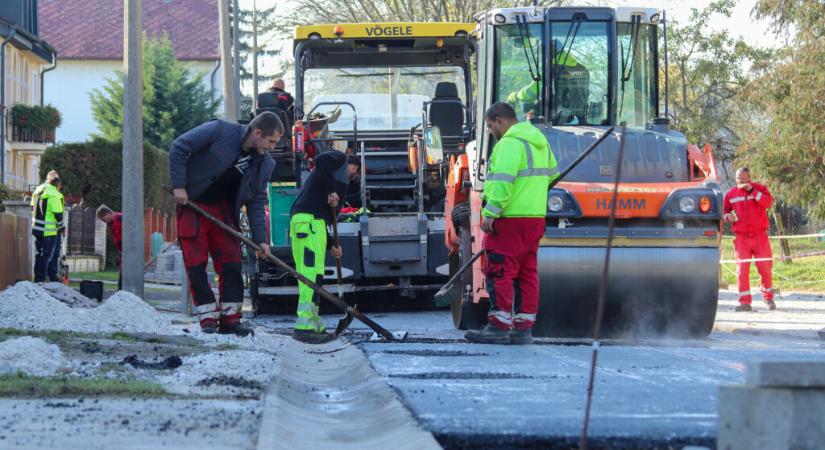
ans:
(575, 72)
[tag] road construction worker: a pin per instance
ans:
(277, 100)
(571, 89)
(324, 191)
(114, 221)
(47, 225)
(746, 208)
(515, 205)
(221, 166)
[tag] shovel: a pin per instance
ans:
(381, 331)
(347, 319)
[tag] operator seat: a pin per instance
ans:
(447, 113)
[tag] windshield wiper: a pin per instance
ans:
(627, 70)
(532, 59)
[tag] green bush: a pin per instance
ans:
(93, 171)
(7, 193)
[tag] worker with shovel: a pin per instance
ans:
(221, 166)
(522, 167)
(321, 197)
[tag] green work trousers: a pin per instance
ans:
(308, 237)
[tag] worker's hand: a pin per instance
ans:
(332, 199)
(488, 224)
(265, 251)
(730, 218)
(746, 186)
(181, 197)
(336, 252)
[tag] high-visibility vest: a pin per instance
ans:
(521, 169)
(47, 215)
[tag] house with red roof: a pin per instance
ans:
(88, 37)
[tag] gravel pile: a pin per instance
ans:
(68, 296)
(30, 307)
(31, 356)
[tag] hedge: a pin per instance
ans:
(93, 171)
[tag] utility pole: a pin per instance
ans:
(236, 54)
(254, 53)
(132, 187)
(230, 102)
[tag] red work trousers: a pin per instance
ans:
(511, 272)
(199, 239)
(753, 245)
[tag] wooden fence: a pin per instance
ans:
(15, 260)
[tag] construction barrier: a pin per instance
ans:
(807, 250)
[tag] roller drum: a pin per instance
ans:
(652, 292)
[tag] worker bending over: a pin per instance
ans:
(746, 207)
(320, 198)
(114, 221)
(515, 195)
(221, 166)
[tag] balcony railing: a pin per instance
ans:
(19, 134)
(34, 123)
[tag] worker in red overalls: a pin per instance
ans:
(746, 208)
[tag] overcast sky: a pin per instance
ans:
(739, 24)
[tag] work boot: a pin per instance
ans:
(771, 304)
(209, 326)
(489, 335)
(744, 307)
(521, 337)
(236, 328)
(312, 337)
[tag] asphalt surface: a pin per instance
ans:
(659, 393)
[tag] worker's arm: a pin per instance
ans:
(56, 206)
(197, 139)
(498, 186)
(762, 195)
(553, 165)
(255, 206)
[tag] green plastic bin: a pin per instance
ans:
(281, 197)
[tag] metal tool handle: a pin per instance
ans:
(576, 161)
(461, 270)
(285, 267)
(337, 244)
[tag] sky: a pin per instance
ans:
(740, 23)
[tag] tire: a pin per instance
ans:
(466, 314)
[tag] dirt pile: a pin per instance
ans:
(68, 296)
(29, 306)
(31, 356)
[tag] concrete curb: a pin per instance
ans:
(328, 396)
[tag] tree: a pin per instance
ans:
(174, 99)
(256, 42)
(332, 11)
(707, 71)
(786, 142)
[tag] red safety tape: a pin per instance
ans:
(797, 256)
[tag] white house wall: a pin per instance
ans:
(68, 88)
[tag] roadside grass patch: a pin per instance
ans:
(43, 387)
(802, 275)
(109, 275)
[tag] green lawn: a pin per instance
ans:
(41, 387)
(109, 275)
(803, 274)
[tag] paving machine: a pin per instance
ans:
(366, 89)
(575, 72)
